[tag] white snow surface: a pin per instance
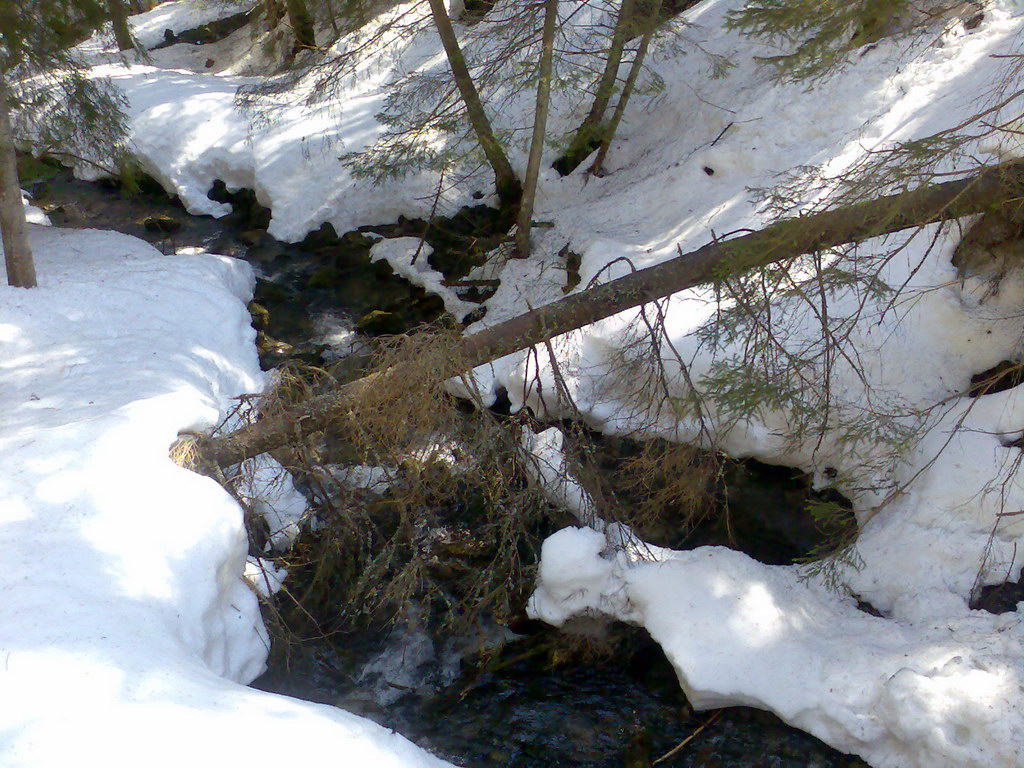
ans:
(931, 683)
(127, 630)
(409, 258)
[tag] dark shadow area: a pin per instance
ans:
(1004, 375)
(999, 598)
(770, 512)
(540, 702)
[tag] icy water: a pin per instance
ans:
(596, 714)
(521, 708)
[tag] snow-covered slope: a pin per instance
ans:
(127, 632)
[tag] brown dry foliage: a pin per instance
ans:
(459, 526)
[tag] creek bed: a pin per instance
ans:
(610, 712)
(524, 710)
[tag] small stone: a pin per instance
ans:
(251, 237)
(379, 322)
(161, 223)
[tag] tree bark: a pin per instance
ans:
(506, 182)
(590, 130)
(119, 18)
(301, 22)
(650, 25)
(21, 270)
(999, 187)
(524, 219)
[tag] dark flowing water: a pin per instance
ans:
(520, 707)
(611, 713)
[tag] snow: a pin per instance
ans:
(126, 602)
(33, 215)
(932, 683)
(738, 632)
(127, 629)
(409, 259)
(268, 489)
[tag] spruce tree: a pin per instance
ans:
(820, 33)
(507, 183)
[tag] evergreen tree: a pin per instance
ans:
(429, 113)
(301, 21)
(506, 181)
(70, 112)
(820, 32)
(649, 24)
(589, 131)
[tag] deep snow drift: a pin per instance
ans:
(932, 682)
(127, 631)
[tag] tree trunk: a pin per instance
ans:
(650, 25)
(506, 182)
(21, 270)
(994, 188)
(589, 130)
(119, 17)
(301, 22)
(524, 220)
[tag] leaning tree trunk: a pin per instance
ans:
(524, 220)
(650, 25)
(505, 180)
(590, 130)
(119, 18)
(21, 270)
(994, 188)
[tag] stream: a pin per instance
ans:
(524, 700)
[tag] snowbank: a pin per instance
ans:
(737, 632)
(127, 631)
(149, 29)
(931, 683)
(409, 259)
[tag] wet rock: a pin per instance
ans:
(323, 237)
(378, 322)
(260, 316)
(252, 237)
(272, 352)
(161, 223)
(325, 278)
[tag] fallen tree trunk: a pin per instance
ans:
(994, 188)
